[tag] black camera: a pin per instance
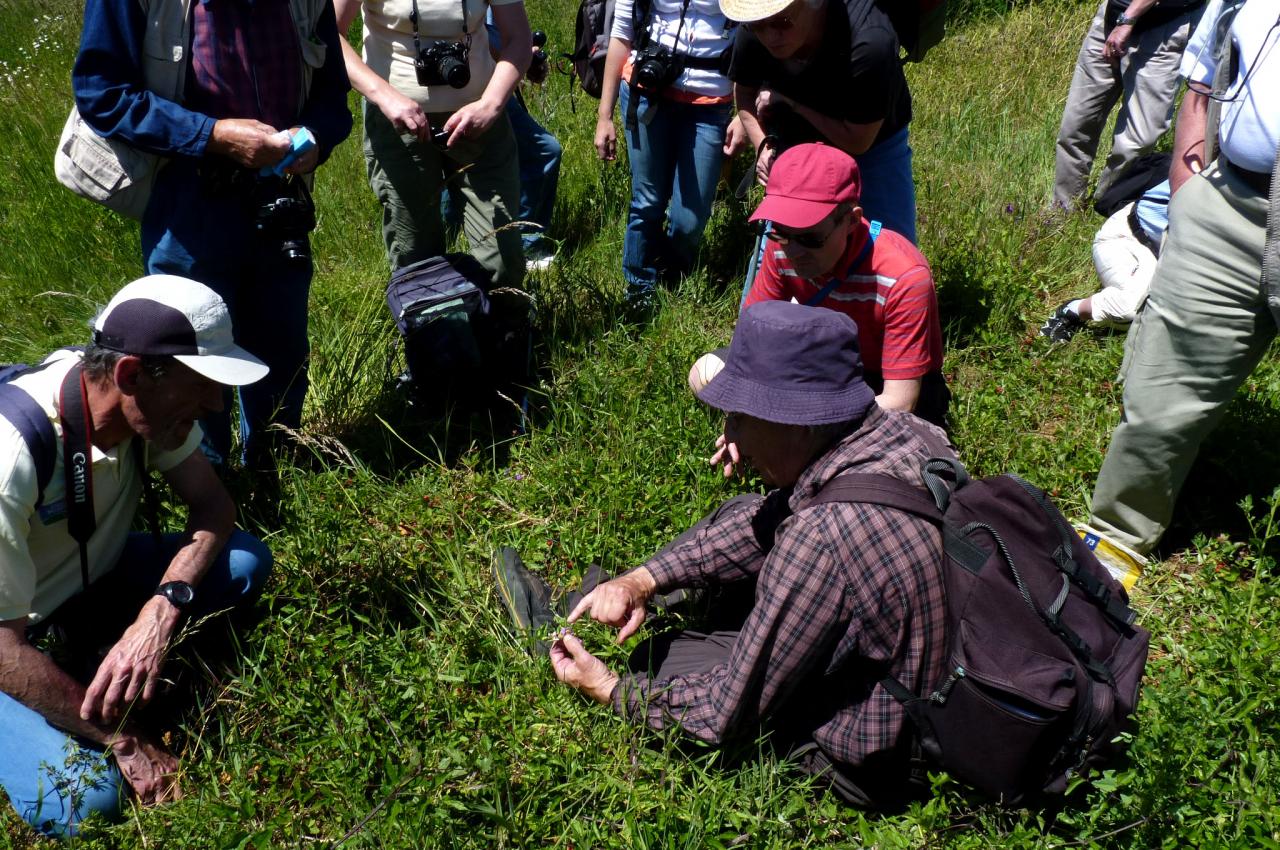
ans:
(444, 63)
(285, 212)
(539, 63)
(655, 68)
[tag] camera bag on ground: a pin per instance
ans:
(463, 340)
(1044, 658)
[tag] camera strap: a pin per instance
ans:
(77, 466)
(413, 20)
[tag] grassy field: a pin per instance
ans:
(384, 702)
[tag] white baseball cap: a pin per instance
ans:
(164, 314)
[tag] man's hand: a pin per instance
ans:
(580, 669)
(767, 99)
(735, 137)
(471, 120)
(150, 770)
(131, 669)
(606, 138)
(764, 161)
(619, 603)
(248, 142)
(726, 454)
(307, 162)
(1117, 43)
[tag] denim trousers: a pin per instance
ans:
(212, 238)
(55, 780)
(888, 188)
(675, 150)
(539, 155)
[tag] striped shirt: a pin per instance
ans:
(889, 295)
(847, 593)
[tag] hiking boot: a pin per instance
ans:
(1062, 325)
(1124, 564)
(527, 598)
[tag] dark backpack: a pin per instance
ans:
(462, 339)
(919, 24)
(29, 418)
(591, 44)
(1143, 174)
(1044, 659)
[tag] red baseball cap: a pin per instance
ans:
(806, 183)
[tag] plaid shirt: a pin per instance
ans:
(244, 61)
(848, 593)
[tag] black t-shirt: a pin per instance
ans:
(1161, 13)
(855, 74)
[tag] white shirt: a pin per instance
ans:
(706, 32)
(388, 46)
(39, 560)
(1250, 128)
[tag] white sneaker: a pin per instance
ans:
(539, 256)
(1124, 564)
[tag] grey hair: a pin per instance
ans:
(100, 363)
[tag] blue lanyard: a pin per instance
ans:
(821, 294)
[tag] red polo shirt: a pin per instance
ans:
(889, 295)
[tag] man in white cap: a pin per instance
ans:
(79, 435)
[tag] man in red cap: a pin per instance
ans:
(820, 251)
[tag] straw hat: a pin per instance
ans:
(746, 11)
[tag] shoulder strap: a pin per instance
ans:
(821, 295)
(29, 418)
(77, 463)
(876, 489)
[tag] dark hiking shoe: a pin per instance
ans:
(1062, 325)
(527, 598)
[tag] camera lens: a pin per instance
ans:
(539, 38)
(455, 72)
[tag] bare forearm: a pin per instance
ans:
(1188, 139)
(363, 78)
(745, 99)
(900, 394)
(34, 680)
(853, 139)
(614, 60)
(1137, 8)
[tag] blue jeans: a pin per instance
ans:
(675, 151)
(213, 240)
(888, 190)
(539, 154)
(55, 780)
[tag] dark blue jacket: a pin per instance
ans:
(108, 84)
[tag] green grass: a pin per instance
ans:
(385, 703)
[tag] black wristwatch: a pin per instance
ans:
(179, 593)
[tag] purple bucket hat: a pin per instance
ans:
(794, 365)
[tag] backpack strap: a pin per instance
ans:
(1114, 606)
(28, 417)
(873, 230)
